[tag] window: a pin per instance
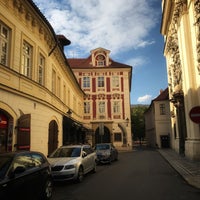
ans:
(86, 107)
(100, 60)
(86, 82)
(64, 93)
(23, 161)
(41, 69)
(101, 107)
(27, 59)
(4, 43)
(38, 160)
(100, 63)
(53, 81)
(116, 106)
(115, 81)
(101, 81)
(162, 109)
(59, 86)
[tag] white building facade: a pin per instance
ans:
(107, 85)
(181, 30)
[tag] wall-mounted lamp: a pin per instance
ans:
(69, 112)
(127, 121)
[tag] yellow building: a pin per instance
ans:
(40, 98)
(107, 85)
(181, 30)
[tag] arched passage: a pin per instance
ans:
(6, 131)
(103, 137)
(53, 136)
(124, 133)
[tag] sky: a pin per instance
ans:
(130, 29)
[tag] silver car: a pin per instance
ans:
(106, 153)
(72, 162)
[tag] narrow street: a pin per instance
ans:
(140, 175)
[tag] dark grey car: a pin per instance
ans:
(25, 175)
(106, 152)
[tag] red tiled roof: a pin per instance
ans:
(86, 63)
(164, 95)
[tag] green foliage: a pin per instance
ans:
(138, 121)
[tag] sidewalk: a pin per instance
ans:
(189, 170)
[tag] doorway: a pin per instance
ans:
(53, 137)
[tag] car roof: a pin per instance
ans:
(75, 146)
(14, 153)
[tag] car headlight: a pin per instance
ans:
(69, 167)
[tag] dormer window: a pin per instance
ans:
(100, 60)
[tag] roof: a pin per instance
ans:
(86, 63)
(164, 95)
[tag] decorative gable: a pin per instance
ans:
(100, 57)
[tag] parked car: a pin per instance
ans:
(72, 162)
(25, 175)
(106, 153)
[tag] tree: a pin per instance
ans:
(138, 121)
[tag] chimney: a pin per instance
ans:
(63, 41)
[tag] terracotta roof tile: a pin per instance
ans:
(164, 95)
(85, 63)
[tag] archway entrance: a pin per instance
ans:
(102, 136)
(53, 136)
(6, 131)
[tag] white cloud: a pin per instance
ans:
(145, 99)
(137, 61)
(115, 24)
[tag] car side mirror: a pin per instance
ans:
(84, 154)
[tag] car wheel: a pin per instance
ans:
(80, 175)
(48, 190)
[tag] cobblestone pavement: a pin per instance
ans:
(189, 170)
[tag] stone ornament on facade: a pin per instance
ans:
(176, 71)
(33, 21)
(180, 7)
(197, 24)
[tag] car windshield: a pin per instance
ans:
(5, 162)
(66, 152)
(102, 146)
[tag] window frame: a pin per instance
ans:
(101, 82)
(27, 59)
(102, 107)
(7, 40)
(86, 82)
(115, 81)
(116, 107)
(86, 107)
(162, 108)
(41, 76)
